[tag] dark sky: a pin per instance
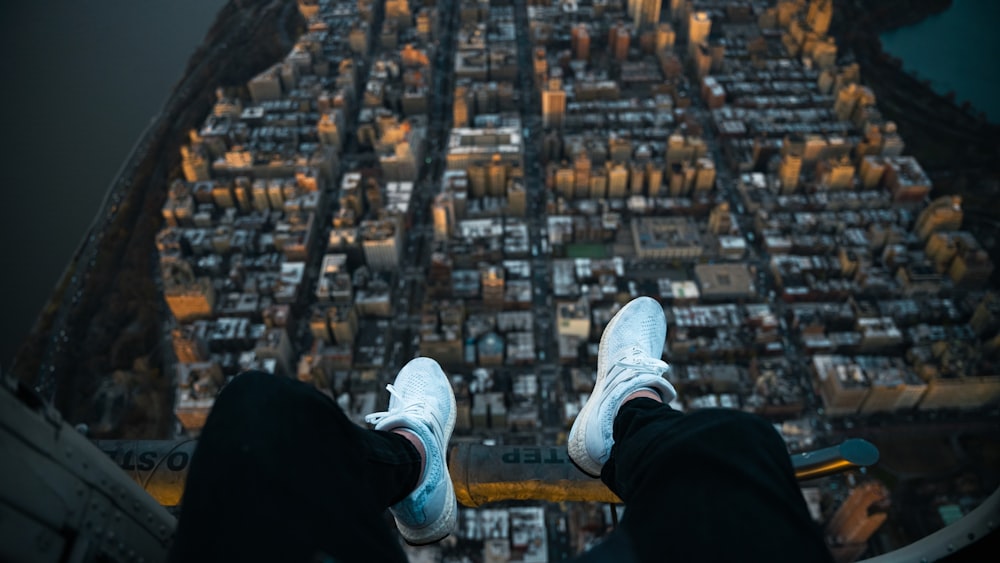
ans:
(81, 80)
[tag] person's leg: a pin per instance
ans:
(281, 474)
(714, 485)
(422, 407)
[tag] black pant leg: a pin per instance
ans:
(281, 474)
(712, 485)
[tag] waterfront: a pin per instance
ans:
(93, 77)
(955, 51)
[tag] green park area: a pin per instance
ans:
(586, 251)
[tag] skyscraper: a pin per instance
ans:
(194, 164)
(835, 174)
(581, 175)
(492, 280)
(891, 143)
(477, 180)
(580, 42)
(617, 181)
(872, 170)
(619, 149)
(443, 210)
(654, 178)
(850, 98)
(699, 26)
(517, 198)
(819, 16)
(788, 172)
(382, 242)
(631, 7)
(553, 104)
(704, 175)
(665, 36)
(564, 181)
(943, 214)
(331, 129)
(677, 8)
(618, 41)
(844, 105)
(637, 178)
(598, 184)
(644, 12)
(720, 220)
(497, 177)
(540, 64)
(460, 109)
(188, 297)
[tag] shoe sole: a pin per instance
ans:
(439, 530)
(576, 445)
(449, 519)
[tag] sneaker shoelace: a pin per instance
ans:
(622, 373)
(630, 367)
(412, 408)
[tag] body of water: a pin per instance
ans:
(957, 51)
(81, 82)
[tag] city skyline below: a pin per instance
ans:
(486, 183)
(723, 162)
(46, 260)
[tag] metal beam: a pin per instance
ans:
(481, 474)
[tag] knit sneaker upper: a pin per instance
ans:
(628, 361)
(421, 401)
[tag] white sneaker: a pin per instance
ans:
(628, 360)
(421, 400)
